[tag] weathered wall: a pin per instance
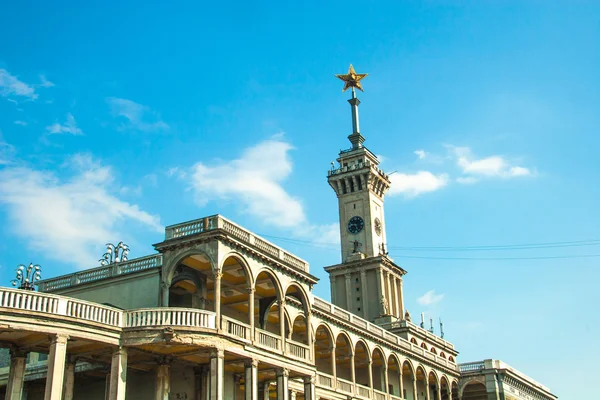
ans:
(131, 291)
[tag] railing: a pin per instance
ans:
(474, 366)
(268, 339)
(345, 386)
(379, 395)
(324, 380)
(392, 397)
(29, 301)
(363, 391)
(147, 317)
(94, 312)
(96, 274)
(236, 328)
(297, 350)
(218, 222)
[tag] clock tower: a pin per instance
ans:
(367, 282)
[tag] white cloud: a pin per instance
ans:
(467, 180)
(6, 152)
(430, 298)
(70, 126)
(421, 154)
(19, 122)
(69, 219)
(45, 82)
(492, 166)
(10, 85)
(254, 182)
(137, 115)
(411, 185)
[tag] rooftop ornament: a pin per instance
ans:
(27, 277)
(114, 254)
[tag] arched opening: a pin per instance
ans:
(234, 291)
(323, 348)
(413, 340)
(408, 376)
(266, 298)
(451, 359)
(433, 350)
(443, 355)
(295, 299)
(421, 382)
(192, 284)
(454, 390)
(393, 371)
(432, 386)
(424, 345)
(445, 388)
(378, 367)
(361, 363)
(343, 353)
(474, 391)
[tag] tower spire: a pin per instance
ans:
(352, 80)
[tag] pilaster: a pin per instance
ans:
(118, 375)
(217, 359)
(282, 384)
(251, 380)
(163, 382)
(16, 375)
(56, 368)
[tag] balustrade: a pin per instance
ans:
(379, 395)
(363, 391)
(236, 328)
(188, 317)
(268, 339)
(325, 380)
(345, 386)
(297, 350)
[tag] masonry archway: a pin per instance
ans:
(192, 283)
(235, 297)
(432, 385)
(267, 298)
(421, 382)
(361, 363)
(378, 367)
(299, 329)
(408, 377)
(323, 350)
(454, 390)
(343, 356)
(474, 391)
(393, 371)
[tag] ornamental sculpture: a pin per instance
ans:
(27, 277)
(114, 254)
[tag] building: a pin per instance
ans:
(220, 313)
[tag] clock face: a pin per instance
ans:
(355, 225)
(377, 226)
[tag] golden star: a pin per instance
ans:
(351, 79)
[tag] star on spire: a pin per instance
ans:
(351, 79)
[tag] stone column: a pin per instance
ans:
(69, 379)
(352, 368)
(439, 391)
(16, 375)
(400, 299)
(364, 294)
(163, 382)
(401, 387)
(395, 296)
(386, 380)
(292, 395)
(388, 282)
(56, 368)
(332, 289)
(251, 380)
(309, 336)
(164, 294)
(217, 359)
(118, 375)
(333, 365)
(426, 380)
(348, 292)
(218, 276)
(414, 385)
(371, 374)
(309, 388)
(251, 311)
(281, 323)
(380, 289)
(282, 384)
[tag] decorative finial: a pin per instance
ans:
(27, 277)
(407, 316)
(114, 254)
(351, 79)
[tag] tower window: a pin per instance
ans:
(356, 280)
(355, 206)
(358, 308)
(351, 185)
(344, 188)
(358, 299)
(358, 289)
(359, 184)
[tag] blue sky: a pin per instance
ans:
(116, 120)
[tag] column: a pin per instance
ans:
(251, 379)
(400, 299)
(69, 379)
(332, 289)
(217, 359)
(56, 368)
(348, 292)
(282, 384)
(386, 381)
(380, 289)
(16, 375)
(371, 374)
(251, 311)
(364, 294)
(426, 380)
(309, 388)
(414, 385)
(266, 390)
(163, 382)
(439, 391)
(333, 366)
(292, 395)
(309, 336)
(401, 387)
(164, 294)
(352, 369)
(218, 276)
(118, 375)
(390, 295)
(282, 323)
(394, 295)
